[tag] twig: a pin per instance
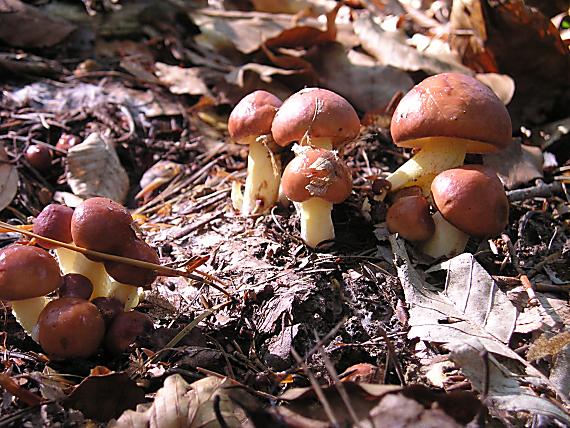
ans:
(160, 269)
(195, 226)
(525, 281)
(392, 356)
(541, 190)
(317, 388)
(16, 390)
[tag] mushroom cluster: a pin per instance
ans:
(321, 122)
(93, 295)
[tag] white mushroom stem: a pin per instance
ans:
(73, 262)
(447, 240)
(127, 294)
(316, 221)
(28, 311)
(263, 177)
(435, 156)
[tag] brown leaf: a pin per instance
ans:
(102, 397)
(8, 179)
(292, 6)
(24, 26)
(181, 80)
(548, 344)
(366, 84)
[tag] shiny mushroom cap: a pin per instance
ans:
(315, 113)
(39, 157)
(27, 272)
(101, 224)
(317, 173)
(109, 308)
(252, 116)
(456, 106)
(409, 216)
(472, 199)
(127, 274)
(124, 330)
(76, 285)
(70, 328)
(54, 222)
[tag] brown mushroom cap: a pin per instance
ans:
(409, 216)
(124, 330)
(70, 328)
(101, 224)
(452, 105)
(54, 222)
(109, 308)
(127, 274)
(27, 272)
(472, 199)
(39, 157)
(318, 113)
(317, 173)
(76, 285)
(252, 116)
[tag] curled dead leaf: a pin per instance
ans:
(8, 180)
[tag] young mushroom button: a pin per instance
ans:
(317, 178)
(409, 216)
(250, 123)
(316, 117)
(471, 201)
(27, 275)
(446, 116)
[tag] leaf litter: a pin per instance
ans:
(159, 88)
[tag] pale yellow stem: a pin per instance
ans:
(125, 293)
(28, 311)
(263, 177)
(435, 156)
(447, 240)
(321, 142)
(316, 221)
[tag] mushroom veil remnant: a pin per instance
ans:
(250, 123)
(446, 116)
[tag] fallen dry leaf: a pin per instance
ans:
(94, 169)
(8, 179)
(552, 312)
(181, 80)
(548, 344)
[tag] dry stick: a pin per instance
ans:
(16, 390)
(338, 385)
(541, 190)
(161, 270)
(392, 356)
(317, 388)
(532, 299)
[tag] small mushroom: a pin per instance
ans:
(471, 201)
(70, 328)
(54, 222)
(316, 117)
(76, 285)
(250, 123)
(27, 275)
(317, 178)
(446, 116)
(39, 157)
(124, 330)
(109, 308)
(409, 216)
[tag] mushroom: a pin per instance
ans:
(70, 328)
(446, 116)
(409, 216)
(128, 278)
(250, 123)
(124, 330)
(316, 117)
(98, 224)
(471, 201)
(39, 157)
(55, 222)
(109, 308)
(27, 275)
(317, 178)
(75, 285)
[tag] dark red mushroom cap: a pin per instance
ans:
(124, 330)
(472, 198)
(27, 272)
(452, 105)
(70, 328)
(317, 173)
(409, 216)
(54, 222)
(317, 113)
(39, 157)
(109, 308)
(134, 249)
(101, 224)
(76, 285)
(252, 116)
